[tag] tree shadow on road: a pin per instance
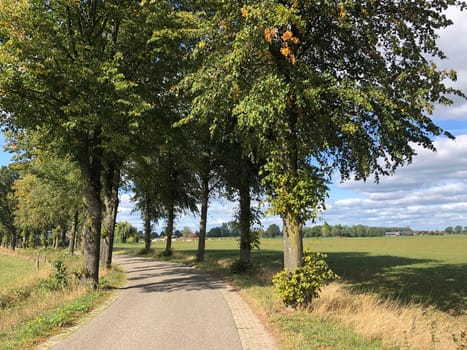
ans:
(166, 277)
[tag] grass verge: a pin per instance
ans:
(45, 306)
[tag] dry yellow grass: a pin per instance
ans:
(39, 301)
(404, 326)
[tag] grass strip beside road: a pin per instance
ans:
(43, 312)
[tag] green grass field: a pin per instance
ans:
(13, 269)
(430, 270)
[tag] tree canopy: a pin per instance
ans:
(291, 91)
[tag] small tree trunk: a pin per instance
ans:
(203, 220)
(74, 228)
(13, 240)
(293, 243)
(245, 217)
(170, 228)
(63, 238)
(147, 229)
(111, 183)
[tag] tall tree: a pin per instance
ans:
(69, 69)
(347, 86)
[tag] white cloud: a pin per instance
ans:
(453, 42)
(431, 193)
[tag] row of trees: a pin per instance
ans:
(181, 100)
(457, 229)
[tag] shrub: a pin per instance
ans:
(305, 283)
(58, 279)
(238, 267)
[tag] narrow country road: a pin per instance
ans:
(170, 306)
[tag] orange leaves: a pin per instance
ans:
(287, 35)
(286, 39)
(285, 51)
(244, 11)
(342, 11)
(269, 34)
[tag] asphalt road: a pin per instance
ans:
(170, 306)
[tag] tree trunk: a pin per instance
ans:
(203, 220)
(74, 228)
(13, 240)
(91, 170)
(293, 243)
(63, 238)
(147, 229)
(92, 233)
(245, 216)
(170, 229)
(111, 183)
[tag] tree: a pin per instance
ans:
(449, 229)
(458, 229)
(73, 71)
(186, 231)
(273, 231)
(47, 192)
(125, 232)
(8, 233)
(343, 86)
(215, 232)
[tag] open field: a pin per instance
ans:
(33, 306)
(430, 270)
(394, 292)
(13, 269)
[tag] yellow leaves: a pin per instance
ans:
(236, 92)
(268, 35)
(244, 11)
(342, 11)
(349, 128)
(285, 51)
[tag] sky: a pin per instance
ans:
(428, 194)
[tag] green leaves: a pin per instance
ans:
(305, 283)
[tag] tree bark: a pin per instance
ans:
(293, 243)
(245, 216)
(91, 171)
(203, 219)
(111, 183)
(147, 228)
(170, 229)
(13, 240)
(74, 228)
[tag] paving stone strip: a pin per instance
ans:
(253, 334)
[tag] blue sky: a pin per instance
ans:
(431, 193)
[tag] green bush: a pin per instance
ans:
(238, 267)
(298, 289)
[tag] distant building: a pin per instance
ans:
(392, 233)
